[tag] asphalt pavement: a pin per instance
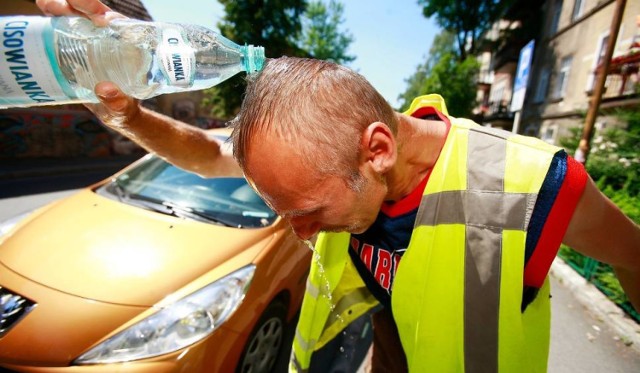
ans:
(590, 334)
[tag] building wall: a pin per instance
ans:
(566, 59)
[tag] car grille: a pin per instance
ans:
(13, 307)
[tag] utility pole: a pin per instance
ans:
(601, 76)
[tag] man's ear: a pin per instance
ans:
(378, 147)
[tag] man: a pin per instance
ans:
(476, 215)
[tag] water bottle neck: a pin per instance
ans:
(253, 60)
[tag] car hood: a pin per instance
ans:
(96, 248)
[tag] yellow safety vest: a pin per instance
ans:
(457, 292)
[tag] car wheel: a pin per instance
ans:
(265, 341)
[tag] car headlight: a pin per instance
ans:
(177, 325)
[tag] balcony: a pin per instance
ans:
(497, 114)
(622, 84)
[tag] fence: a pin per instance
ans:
(602, 276)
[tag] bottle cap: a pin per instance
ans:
(253, 58)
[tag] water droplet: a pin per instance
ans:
(325, 289)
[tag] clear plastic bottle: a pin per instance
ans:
(49, 61)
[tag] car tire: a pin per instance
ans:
(265, 341)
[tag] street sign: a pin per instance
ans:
(522, 76)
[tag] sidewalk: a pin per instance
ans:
(598, 304)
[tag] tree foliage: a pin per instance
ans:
(614, 161)
(445, 74)
(321, 35)
(272, 24)
(283, 28)
(467, 19)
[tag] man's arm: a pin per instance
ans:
(183, 145)
(600, 230)
(186, 146)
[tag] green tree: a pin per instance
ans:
(467, 19)
(321, 35)
(272, 24)
(445, 74)
(614, 160)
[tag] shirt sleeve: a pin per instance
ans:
(557, 200)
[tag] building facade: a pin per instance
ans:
(570, 43)
(571, 46)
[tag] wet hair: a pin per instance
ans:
(320, 107)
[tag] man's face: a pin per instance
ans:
(309, 200)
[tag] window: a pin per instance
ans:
(542, 86)
(577, 9)
(496, 97)
(601, 50)
(555, 20)
(549, 133)
(560, 87)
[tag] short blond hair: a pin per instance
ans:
(319, 105)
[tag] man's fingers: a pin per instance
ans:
(115, 100)
(116, 110)
(56, 8)
(104, 19)
(89, 7)
(99, 13)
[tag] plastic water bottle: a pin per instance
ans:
(49, 61)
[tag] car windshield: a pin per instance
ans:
(157, 185)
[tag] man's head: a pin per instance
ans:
(309, 124)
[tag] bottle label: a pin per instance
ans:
(176, 57)
(26, 75)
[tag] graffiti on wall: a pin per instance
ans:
(52, 133)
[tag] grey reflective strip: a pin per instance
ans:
(296, 364)
(359, 295)
(482, 151)
(487, 214)
(479, 208)
(486, 211)
(492, 131)
(306, 345)
(481, 298)
(312, 290)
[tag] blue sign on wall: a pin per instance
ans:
(522, 76)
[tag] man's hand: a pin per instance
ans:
(96, 11)
(185, 146)
(116, 109)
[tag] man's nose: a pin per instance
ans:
(304, 229)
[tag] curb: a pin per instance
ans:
(597, 303)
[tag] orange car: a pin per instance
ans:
(154, 270)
